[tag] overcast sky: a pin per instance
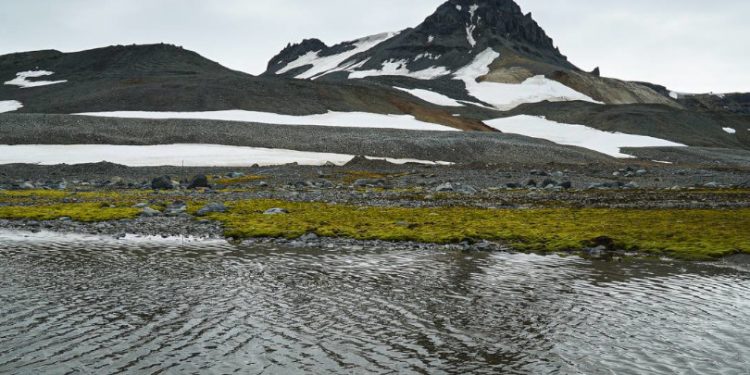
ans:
(688, 45)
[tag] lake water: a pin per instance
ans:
(79, 305)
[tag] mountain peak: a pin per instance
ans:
(449, 39)
(486, 23)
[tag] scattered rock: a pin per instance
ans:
(631, 185)
(275, 211)
(367, 182)
(641, 172)
(308, 237)
(150, 212)
(211, 208)
(466, 189)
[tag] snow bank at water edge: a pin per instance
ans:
(432, 97)
(189, 155)
(506, 96)
(340, 119)
(10, 105)
(576, 135)
(22, 81)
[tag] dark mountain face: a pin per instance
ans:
(450, 38)
(114, 61)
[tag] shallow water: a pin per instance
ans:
(89, 305)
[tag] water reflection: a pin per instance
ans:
(83, 305)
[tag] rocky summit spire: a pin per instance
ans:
(486, 23)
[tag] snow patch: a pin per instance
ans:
(10, 105)
(427, 55)
(398, 68)
(322, 65)
(730, 130)
(576, 135)
(192, 155)
(470, 35)
(430, 39)
(432, 97)
(22, 81)
(339, 119)
(473, 10)
(505, 96)
(459, 8)
(662, 162)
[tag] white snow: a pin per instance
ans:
(322, 65)
(430, 39)
(576, 135)
(10, 105)
(674, 95)
(398, 68)
(507, 96)
(427, 55)
(340, 119)
(470, 35)
(473, 10)
(22, 81)
(193, 155)
(662, 162)
(432, 97)
(458, 8)
(730, 130)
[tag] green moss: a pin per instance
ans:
(84, 212)
(236, 181)
(688, 234)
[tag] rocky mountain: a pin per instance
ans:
(467, 41)
(163, 77)
(489, 54)
(465, 66)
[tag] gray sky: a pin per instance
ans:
(687, 45)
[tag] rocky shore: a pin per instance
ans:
(208, 202)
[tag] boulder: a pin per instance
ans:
(198, 182)
(446, 187)
(162, 183)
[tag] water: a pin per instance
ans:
(78, 305)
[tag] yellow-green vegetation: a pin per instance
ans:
(236, 180)
(84, 212)
(687, 234)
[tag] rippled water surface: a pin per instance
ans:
(89, 305)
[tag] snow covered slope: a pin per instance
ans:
(576, 135)
(22, 79)
(340, 119)
(189, 155)
(10, 105)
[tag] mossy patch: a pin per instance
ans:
(687, 234)
(83, 212)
